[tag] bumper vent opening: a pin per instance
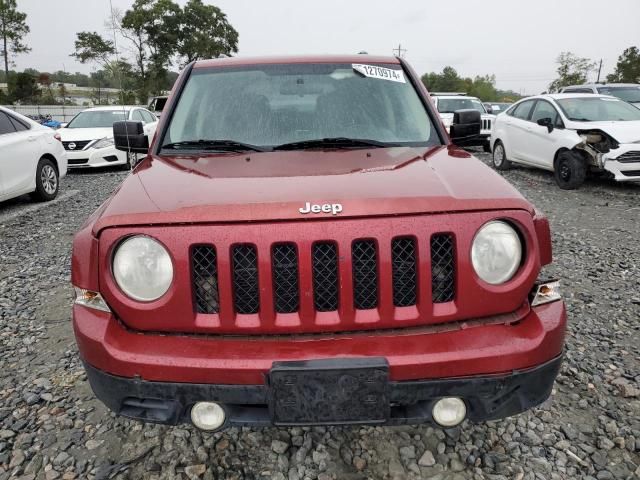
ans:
(246, 293)
(403, 253)
(364, 257)
(284, 261)
(205, 279)
(442, 268)
(325, 277)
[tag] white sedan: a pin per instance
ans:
(32, 159)
(88, 137)
(570, 135)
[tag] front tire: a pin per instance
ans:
(570, 171)
(47, 181)
(500, 161)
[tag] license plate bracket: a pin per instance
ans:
(329, 391)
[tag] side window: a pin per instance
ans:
(137, 116)
(148, 116)
(17, 124)
(544, 109)
(522, 111)
(5, 124)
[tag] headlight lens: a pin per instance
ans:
(496, 252)
(142, 268)
(103, 143)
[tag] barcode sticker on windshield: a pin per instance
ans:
(373, 71)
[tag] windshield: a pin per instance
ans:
(97, 119)
(272, 105)
(598, 109)
(628, 94)
(450, 105)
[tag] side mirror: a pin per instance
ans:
(465, 127)
(546, 122)
(130, 137)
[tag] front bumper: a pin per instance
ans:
(94, 158)
(622, 171)
(411, 402)
(498, 365)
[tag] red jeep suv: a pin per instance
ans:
(304, 245)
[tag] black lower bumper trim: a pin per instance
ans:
(411, 402)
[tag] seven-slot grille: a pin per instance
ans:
(324, 257)
(629, 157)
(486, 124)
(78, 144)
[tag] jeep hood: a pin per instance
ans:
(272, 186)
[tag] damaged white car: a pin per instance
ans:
(571, 135)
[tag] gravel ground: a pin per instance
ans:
(52, 427)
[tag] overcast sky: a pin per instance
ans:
(517, 40)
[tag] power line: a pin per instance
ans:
(399, 52)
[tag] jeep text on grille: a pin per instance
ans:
(305, 221)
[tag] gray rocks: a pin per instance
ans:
(427, 460)
(52, 428)
(279, 446)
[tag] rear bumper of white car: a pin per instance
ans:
(95, 157)
(623, 163)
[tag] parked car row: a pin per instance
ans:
(572, 135)
(34, 157)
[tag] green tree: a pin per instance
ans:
(13, 29)
(152, 27)
(628, 67)
(90, 47)
(572, 70)
(205, 32)
(23, 88)
(482, 86)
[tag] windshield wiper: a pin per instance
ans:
(337, 142)
(225, 145)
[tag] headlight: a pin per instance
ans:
(142, 268)
(496, 252)
(105, 142)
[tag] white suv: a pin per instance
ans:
(629, 92)
(448, 103)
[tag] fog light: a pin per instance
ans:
(449, 411)
(207, 415)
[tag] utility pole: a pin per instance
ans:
(599, 70)
(399, 52)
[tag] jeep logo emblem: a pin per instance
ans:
(333, 208)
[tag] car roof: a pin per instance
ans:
(559, 96)
(597, 85)
(126, 108)
(450, 97)
(238, 61)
